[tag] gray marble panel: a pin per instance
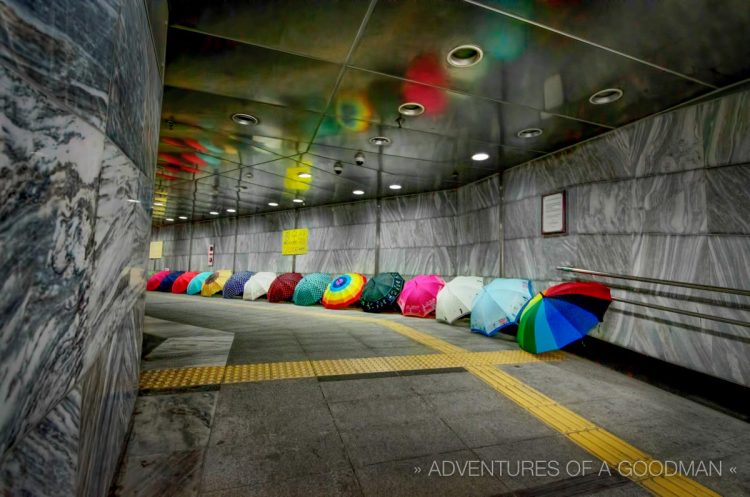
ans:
(479, 259)
(671, 257)
(182, 231)
(524, 181)
(602, 208)
(607, 252)
(50, 164)
(264, 261)
(44, 463)
(177, 247)
(479, 226)
(728, 199)
(522, 218)
(261, 223)
(342, 237)
(520, 258)
(259, 242)
(175, 262)
(224, 261)
(605, 158)
(728, 261)
(425, 260)
(135, 92)
(727, 127)
(108, 395)
(423, 206)
(427, 232)
(673, 203)
(200, 245)
(199, 263)
(339, 215)
(480, 195)
(337, 261)
(556, 251)
(215, 228)
(224, 244)
(66, 47)
(177, 474)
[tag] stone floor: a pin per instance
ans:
(389, 434)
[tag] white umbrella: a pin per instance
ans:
(455, 299)
(258, 285)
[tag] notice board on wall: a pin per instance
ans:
(294, 242)
(554, 220)
(155, 250)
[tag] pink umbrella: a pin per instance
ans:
(153, 282)
(419, 296)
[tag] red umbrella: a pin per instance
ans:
(155, 280)
(282, 288)
(181, 283)
(419, 296)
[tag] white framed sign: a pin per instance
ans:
(210, 255)
(554, 220)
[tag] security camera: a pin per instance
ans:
(359, 158)
(338, 167)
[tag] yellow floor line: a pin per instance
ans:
(597, 441)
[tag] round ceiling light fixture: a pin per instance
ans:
(273, 204)
(182, 217)
(358, 192)
(158, 204)
(134, 201)
(214, 213)
(245, 119)
(170, 219)
(395, 187)
(411, 109)
(232, 210)
(298, 201)
(380, 141)
(606, 96)
(304, 175)
(529, 133)
(480, 156)
(465, 56)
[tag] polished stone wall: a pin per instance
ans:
(80, 91)
(667, 197)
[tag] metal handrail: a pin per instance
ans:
(683, 284)
(694, 314)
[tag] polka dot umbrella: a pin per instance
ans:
(235, 286)
(344, 290)
(180, 285)
(168, 281)
(381, 292)
(282, 288)
(310, 289)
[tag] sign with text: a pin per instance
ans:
(155, 250)
(210, 255)
(553, 214)
(294, 242)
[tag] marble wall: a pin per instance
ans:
(80, 97)
(667, 197)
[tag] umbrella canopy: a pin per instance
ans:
(168, 281)
(215, 283)
(455, 299)
(498, 305)
(258, 285)
(561, 315)
(195, 285)
(344, 290)
(283, 287)
(381, 292)
(310, 289)
(180, 285)
(236, 284)
(155, 280)
(419, 296)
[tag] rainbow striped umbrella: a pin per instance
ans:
(311, 288)
(344, 290)
(235, 286)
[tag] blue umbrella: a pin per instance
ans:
(235, 285)
(498, 305)
(168, 281)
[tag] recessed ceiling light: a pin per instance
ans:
(380, 141)
(465, 56)
(182, 217)
(358, 192)
(214, 213)
(231, 210)
(480, 156)
(529, 133)
(395, 187)
(411, 109)
(304, 175)
(158, 204)
(170, 219)
(244, 119)
(297, 200)
(134, 201)
(606, 96)
(273, 204)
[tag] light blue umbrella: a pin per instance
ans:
(196, 284)
(498, 305)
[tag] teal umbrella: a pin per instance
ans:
(310, 289)
(196, 284)
(381, 292)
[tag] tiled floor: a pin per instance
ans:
(394, 435)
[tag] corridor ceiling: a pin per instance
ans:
(323, 77)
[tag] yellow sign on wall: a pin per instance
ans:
(155, 250)
(294, 242)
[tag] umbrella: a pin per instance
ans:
(498, 305)
(561, 315)
(236, 284)
(258, 285)
(195, 285)
(344, 290)
(419, 296)
(381, 292)
(181, 283)
(168, 281)
(215, 283)
(310, 289)
(155, 279)
(455, 299)
(283, 287)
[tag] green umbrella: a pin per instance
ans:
(381, 292)
(310, 289)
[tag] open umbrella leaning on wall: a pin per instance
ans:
(282, 288)
(455, 300)
(196, 284)
(498, 305)
(310, 290)
(344, 290)
(180, 285)
(419, 296)
(155, 279)
(258, 285)
(168, 281)
(235, 286)
(215, 283)
(381, 292)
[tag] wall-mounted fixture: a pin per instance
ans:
(380, 141)
(606, 96)
(465, 56)
(411, 109)
(245, 119)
